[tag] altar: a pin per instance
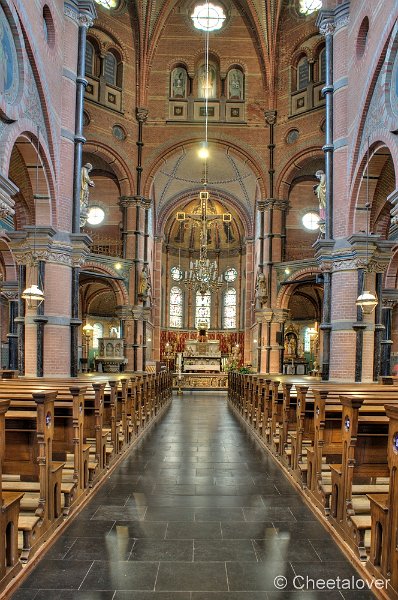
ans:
(201, 356)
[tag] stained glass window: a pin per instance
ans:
(108, 3)
(322, 65)
(98, 332)
(110, 68)
(89, 58)
(230, 275)
(176, 273)
(229, 310)
(306, 7)
(303, 74)
(176, 307)
(203, 308)
(311, 221)
(208, 16)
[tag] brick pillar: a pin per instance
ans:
(354, 266)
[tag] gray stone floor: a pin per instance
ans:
(195, 512)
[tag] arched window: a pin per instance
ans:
(322, 65)
(235, 84)
(90, 54)
(203, 308)
(207, 82)
(178, 83)
(176, 307)
(229, 309)
(307, 339)
(110, 68)
(98, 332)
(303, 73)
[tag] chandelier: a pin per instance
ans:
(203, 273)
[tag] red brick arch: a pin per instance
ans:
(287, 291)
(119, 287)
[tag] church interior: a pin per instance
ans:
(198, 299)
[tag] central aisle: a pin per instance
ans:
(195, 512)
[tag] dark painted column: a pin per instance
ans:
(85, 19)
(270, 117)
(12, 334)
(20, 320)
(358, 327)
(379, 328)
(75, 322)
(40, 321)
(326, 326)
(386, 343)
(327, 28)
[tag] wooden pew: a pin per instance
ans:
(364, 459)
(383, 558)
(29, 461)
(9, 514)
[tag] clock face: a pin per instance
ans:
(230, 275)
(176, 273)
(95, 215)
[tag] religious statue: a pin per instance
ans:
(207, 82)
(320, 191)
(178, 83)
(144, 285)
(261, 290)
(235, 84)
(85, 184)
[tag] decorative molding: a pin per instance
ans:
(141, 114)
(11, 295)
(270, 116)
(327, 27)
(341, 22)
(277, 203)
(71, 13)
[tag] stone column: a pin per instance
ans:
(389, 301)
(11, 294)
(276, 209)
(86, 16)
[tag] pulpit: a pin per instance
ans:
(110, 356)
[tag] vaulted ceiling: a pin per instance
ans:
(263, 18)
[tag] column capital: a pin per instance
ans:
(270, 116)
(126, 201)
(277, 203)
(124, 312)
(141, 114)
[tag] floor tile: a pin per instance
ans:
(121, 575)
(162, 550)
(258, 576)
(57, 574)
(224, 550)
(191, 576)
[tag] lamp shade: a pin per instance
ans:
(87, 329)
(32, 295)
(367, 302)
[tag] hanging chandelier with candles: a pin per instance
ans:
(203, 273)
